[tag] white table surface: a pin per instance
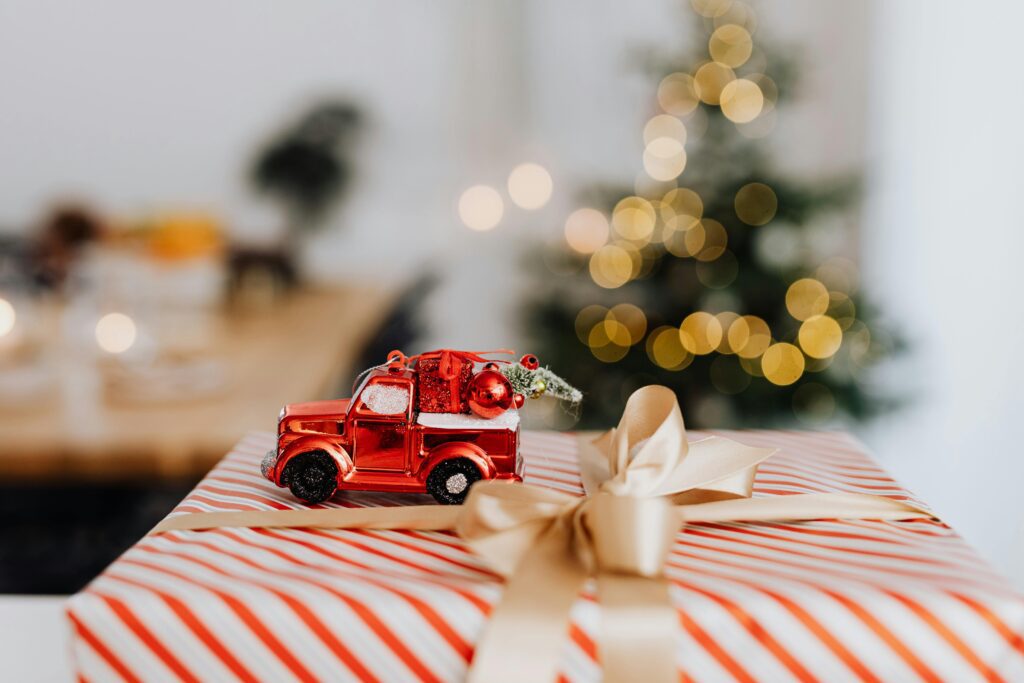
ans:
(35, 643)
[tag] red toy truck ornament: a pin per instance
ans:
(434, 423)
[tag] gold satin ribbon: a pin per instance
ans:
(644, 482)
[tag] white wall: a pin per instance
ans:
(943, 240)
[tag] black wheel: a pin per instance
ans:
(312, 476)
(450, 480)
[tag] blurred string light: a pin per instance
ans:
(807, 298)
(481, 208)
(730, 45)
(8, 317)
(115, 333)
(677, 94)
(710, 79)
(586, 230)
(711, 8)
(741, 100)
(820, 336)
(749, 336)
(613, 265)
(664, 127)
(700, 333)
(782, 364)
(756, 204)
(530, 186)
(634, 218)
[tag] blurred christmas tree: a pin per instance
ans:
(714, 275)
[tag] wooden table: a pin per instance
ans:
(296, 352)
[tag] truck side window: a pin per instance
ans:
(386, 399)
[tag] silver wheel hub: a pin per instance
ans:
(456, 483)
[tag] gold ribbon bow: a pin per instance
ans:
(644, 481)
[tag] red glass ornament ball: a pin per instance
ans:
(518, 400)
(529, 361)
(489, 394)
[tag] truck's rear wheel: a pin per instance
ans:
(450, 480)
(312, 476)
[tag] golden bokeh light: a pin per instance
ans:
(806, 298)
(586, 230)
(665, 350)
(820, 336)
(664, 126)
(741, 101)
(681, 202)
(664, 158)
(700, 333)
(611, 266)
(587, 318)
(756, 204)
(715, 240)
(632, 317)
(481, 208)
(782, 364)
(677, 94)
(710, 79)
(634, 218)
(749, 336)
(609, 341)
(530, 186)
(711, 8)
(731, 45)
(115, 333)
(8, 317)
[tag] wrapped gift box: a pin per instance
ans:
(824, 600)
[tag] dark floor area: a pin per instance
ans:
(55, 539)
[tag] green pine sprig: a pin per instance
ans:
(540, 382)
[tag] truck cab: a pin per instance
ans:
(379, 441)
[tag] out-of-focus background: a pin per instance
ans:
(796, 213)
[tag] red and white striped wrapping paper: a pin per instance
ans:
(819, 601)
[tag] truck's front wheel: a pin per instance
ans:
(312, 476)
(450, 480)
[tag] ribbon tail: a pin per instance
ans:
(805, 506)
(638, 627)
(524, 639)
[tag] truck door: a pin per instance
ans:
(380, 439)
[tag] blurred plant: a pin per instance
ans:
(716, 274)
(307, 167)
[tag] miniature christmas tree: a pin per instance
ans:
(715, 275)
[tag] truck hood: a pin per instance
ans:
(317, 409)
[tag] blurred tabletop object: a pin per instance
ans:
(297, 351)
